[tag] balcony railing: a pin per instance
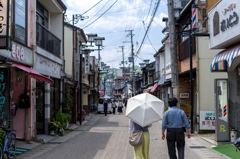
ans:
(46, 40)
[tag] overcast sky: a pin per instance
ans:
(124, 15)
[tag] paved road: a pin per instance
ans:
(108, 139)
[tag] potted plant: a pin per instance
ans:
(83, 114)
(52, 126)
(61, 132)
(233, 134)
(67, 104)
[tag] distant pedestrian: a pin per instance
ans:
(173, 121)
(113, 106)
(141, 151)
(125, 104)
(120, 106)
(105, 104)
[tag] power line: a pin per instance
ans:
(96, 13)
(148, 38)
(154, 13)
(149, 9)
(92, 7)
(101, 15)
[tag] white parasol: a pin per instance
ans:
(145, 109)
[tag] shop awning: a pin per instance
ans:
(162, 80)
(220, 61)
(33, 73)
(154, 87)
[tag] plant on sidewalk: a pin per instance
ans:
(83, 113)
(52, 126)
(61, 132)
(2, 136)
(67, 104)
(62, 119)
(189, 111)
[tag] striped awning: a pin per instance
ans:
(220, 61)
(154, 87)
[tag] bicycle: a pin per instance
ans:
(9, 144)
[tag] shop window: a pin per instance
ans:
(216, 24)
(20, 20)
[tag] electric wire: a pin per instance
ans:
(96, 13)
(101, 15)
(92, 7)
(148, 37)
(149, 10)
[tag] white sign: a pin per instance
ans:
(17, 52)
(87, 64)
(47, 67)
(184, 95)
(207, 120)
(227, 14)
(3, 17)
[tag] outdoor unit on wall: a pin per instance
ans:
(202, 22)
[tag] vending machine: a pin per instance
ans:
(221, 110)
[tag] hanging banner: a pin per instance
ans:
(4, 96)
(87, 64)
(4, 24)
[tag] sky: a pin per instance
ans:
(123, 15)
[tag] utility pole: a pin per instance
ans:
(173, 49)
(131, 34)
(123, 66)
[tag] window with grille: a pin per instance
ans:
(216, 24)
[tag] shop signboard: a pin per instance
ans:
(224, 24)
(184, 95)
(48, 67)
(221, 109)
(4, 12)
(207, 120)
(87, 64)
(5, 80)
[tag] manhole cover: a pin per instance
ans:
(197, 147)
(153, 138)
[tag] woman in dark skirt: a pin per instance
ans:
(120, 104)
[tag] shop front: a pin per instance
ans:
(48, 98)
(224, 34)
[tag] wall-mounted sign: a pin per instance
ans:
(3, 17)
(229, 8)
(87, 65)
(229, 22)
(19, 53)
(4, 96)
(47, 67)
(184, 95)
(207, 120)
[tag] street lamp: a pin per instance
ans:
(91, 37)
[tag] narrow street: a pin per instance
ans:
(108, 139)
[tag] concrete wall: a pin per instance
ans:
(162, 64)
(206, 78)
(68, 50)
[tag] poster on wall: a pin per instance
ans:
(207, 120)
(4, 24)
(4, 96)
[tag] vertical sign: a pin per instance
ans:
(87, 63)
(3, 17)
(221, 108)
(4, 96)
(4, 23)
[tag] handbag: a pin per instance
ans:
(136, 138)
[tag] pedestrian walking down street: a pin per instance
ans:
(105, 104)
(113, 106)
(125, 104)
(141, 151)
(120, 106)
(173, 121)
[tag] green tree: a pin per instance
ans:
(67, 104)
